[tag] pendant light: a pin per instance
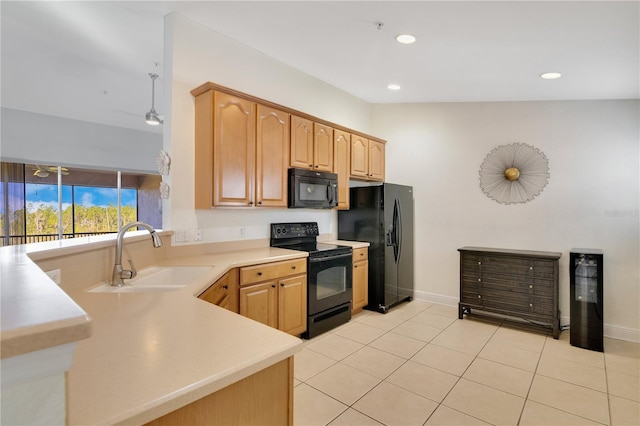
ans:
(152, 116)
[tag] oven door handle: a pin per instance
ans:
(324, 259)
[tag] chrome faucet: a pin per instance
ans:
(119, 274)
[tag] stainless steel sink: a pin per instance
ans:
(157, 279)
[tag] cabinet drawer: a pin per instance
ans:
(517, 267)
(269, 271)
(360, 254)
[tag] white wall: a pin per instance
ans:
(45, 139)
(591, 200)
(194, 55)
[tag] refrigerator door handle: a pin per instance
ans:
(398, 226)
(395, 230)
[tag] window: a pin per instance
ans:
(89, 202)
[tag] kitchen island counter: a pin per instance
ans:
(153, 353)
(149, 353)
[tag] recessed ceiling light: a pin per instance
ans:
(405, 38)
(550, 75)
(393, 87)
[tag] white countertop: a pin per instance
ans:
(152, 353)
(149, 353)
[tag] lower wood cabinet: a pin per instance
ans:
(360, 279)
(275, 294)
(224, 292)
(264, 398)
(514, 284)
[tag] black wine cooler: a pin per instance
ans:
(586, 298)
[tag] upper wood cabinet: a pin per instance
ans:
(245, 145)
(322, 147)
(367, 158)
(241, 152)
(301, 154)
(272, 157)
(311, 145)
(376, 160)
(341, 157)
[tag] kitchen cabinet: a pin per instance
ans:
(311, 145)
(341, 156)
(272, 157)
(275, 294)
(263, 398)
(518, 284)
(360, 279)
(241, 152)
(224, 292)
(367, 158)
(244, 146)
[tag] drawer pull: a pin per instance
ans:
(226, 287)
(293, 267)
(530, 286)
(259, 274)
(531, 268)
(479, 297)
(479, 279)
(531, 305)
(273, 286)
(281, 284)
(479, 263)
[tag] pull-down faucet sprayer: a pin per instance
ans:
(119, 274)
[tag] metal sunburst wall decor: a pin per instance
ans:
(515, 173)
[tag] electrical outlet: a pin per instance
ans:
(55, 275)
(242, 231)
(182, 235)
(197, 235)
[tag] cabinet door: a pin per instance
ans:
(341, 156)
(360, 284)
(359, 156)
(322, 147)
(376, 160)
(292, 305)
(233, 150)
(272, 157)
(259, 302)
(301, 152)
(224, 292)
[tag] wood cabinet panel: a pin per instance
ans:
(264, 398)
(292, 299)
(224, 292)
(259, 302)
(376, 160)
(360, 279)
(359, 156)
(233, 150)
(301, 152)
(322, 147)
(513, 283)
(341, 157)
(272, 157)
(276, 294)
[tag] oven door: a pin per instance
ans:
(329, 280)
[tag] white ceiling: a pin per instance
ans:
(90, 60)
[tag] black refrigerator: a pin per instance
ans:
(382, 215)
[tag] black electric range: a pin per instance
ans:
(329, 275)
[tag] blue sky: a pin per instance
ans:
(84, 195)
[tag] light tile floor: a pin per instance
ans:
(420, 365)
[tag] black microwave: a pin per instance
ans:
(312, 190)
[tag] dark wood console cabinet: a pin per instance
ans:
(515, 284)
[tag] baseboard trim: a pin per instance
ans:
(610, 330)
